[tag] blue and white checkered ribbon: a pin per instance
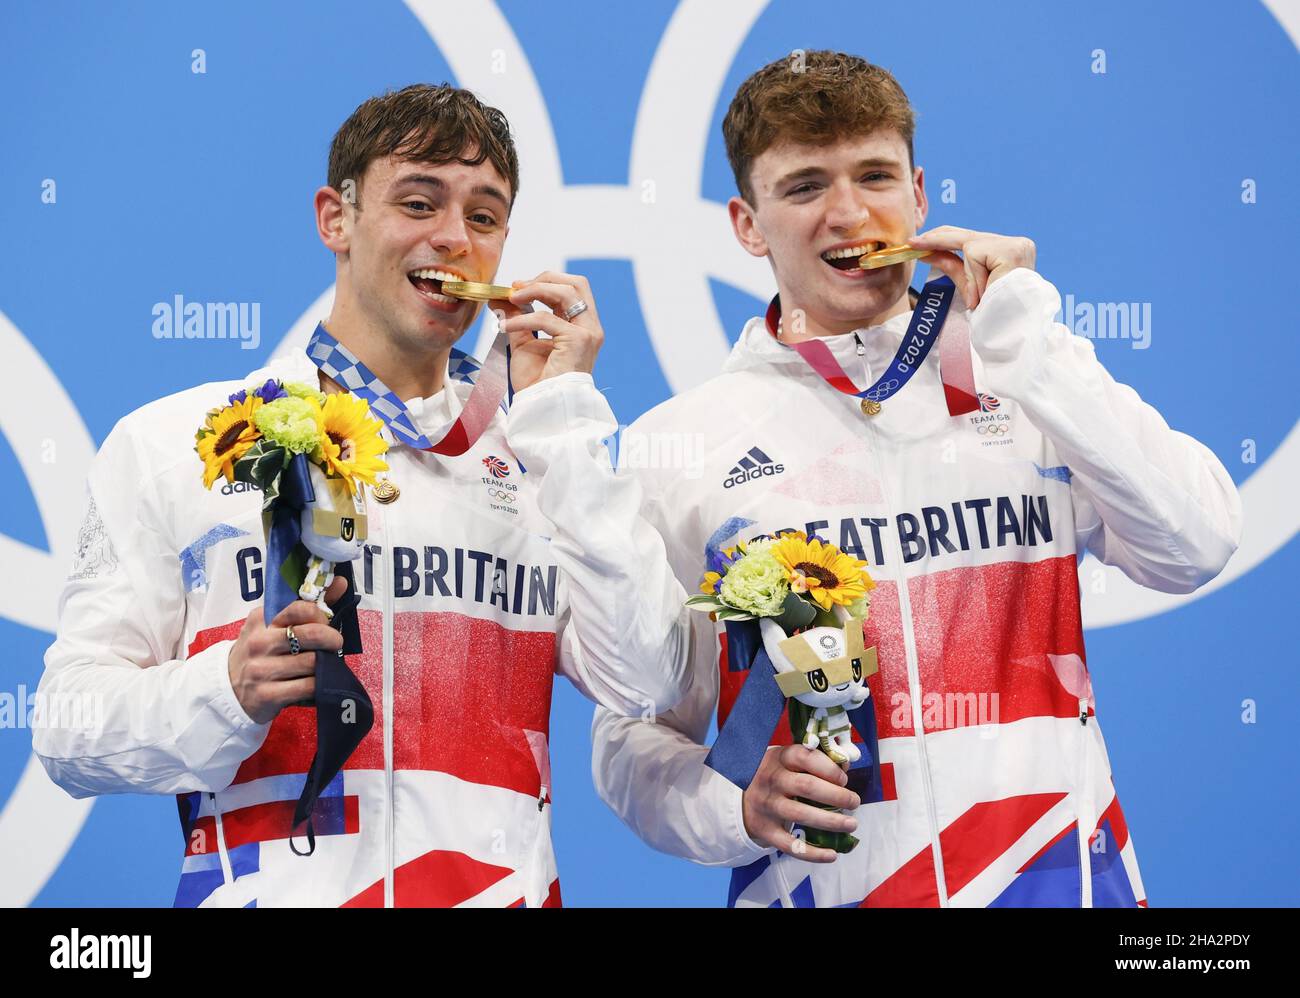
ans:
(489, 381)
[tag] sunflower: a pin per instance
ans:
(225, 437)
(822, 571)
(352, 443)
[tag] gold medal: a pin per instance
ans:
(474, 291)
(870, 407)
(891, 255)
(385, 491)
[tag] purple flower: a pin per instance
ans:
(272, 391)
(717, 561)
(269, 392)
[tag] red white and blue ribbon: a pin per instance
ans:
(931, 316)
(336, 683)
(458, 435)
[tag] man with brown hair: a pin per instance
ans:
(502, 548)
(970, 478)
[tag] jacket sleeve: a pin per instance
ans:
(624, 642)
(650, 770)
(1154, 502)
(119, 707)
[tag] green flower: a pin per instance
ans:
(292, 423)
(756, 583)
(298, 390)
(860, 607)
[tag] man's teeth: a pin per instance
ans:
(859, 250)
(436, 275)
(431, 274)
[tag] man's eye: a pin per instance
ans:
(419, 204)
(483, 219)
(876, 176)
(801, 189)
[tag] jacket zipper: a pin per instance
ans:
(1085, 860)
(913, 667)
(388, 580)
(227, 875)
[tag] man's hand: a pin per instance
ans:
(266, 678)
(987, 257)
(769, 805)
(574, 342)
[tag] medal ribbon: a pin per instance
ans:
(457, 435)
(336, 683)
(929, 319)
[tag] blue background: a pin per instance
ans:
(171, 182)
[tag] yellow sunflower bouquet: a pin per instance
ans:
(800, 605)
(311, 455)
(790, 577)
(255, 436)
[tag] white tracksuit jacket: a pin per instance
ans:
(475, 590)
(994, 792)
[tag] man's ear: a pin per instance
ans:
(922, 202)
(745, 226)
(333, 224)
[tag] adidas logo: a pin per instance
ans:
(753, 465)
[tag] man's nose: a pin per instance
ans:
(846, 207)
(449, 235)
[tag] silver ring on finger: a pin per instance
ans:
(294, 646)
(574, 310)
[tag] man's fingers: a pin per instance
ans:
(805, 760)
(310, 635)
(337, 587)
(977, 277)
(523, 341)
(815, 788)
(814, 817)
(286, 668)
(557, 297)
(546, 322)
(296, 691)
(954, 266)
(576, 281)
(299, 612)
(942, 237)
